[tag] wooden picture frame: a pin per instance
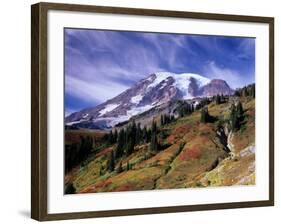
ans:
(39, 106)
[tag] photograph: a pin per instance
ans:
(155, 111)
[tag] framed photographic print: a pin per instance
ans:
(138, 111)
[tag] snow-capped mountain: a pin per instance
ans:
(156, 89)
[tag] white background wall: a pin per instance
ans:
(15, 111)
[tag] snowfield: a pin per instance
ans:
(182, 81)
(85, 115)
(108, 108)
(136, 99)
(112, 121)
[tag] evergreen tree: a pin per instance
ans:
(76, 153)
(237, 93)
(100, 171)
(149, 135)
(85, 147)
(139, 134)
(239, 109)
(246, 91)
(253, 92)
(144, 134)
(162, 119)
(120, 144)
(204, 115)
(111, 137)
(130, 139)
(111, 163)
(70, 189)
(128, 166)
(236, 116)
(232, 112)
(222, 98)
(115, 136)
(154, 144)
(218, 99)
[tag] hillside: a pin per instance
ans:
(191, 153)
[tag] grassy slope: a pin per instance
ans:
(240, 168)
(195, 158)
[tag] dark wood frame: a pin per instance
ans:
(39, 110)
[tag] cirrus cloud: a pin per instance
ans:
(100, 64)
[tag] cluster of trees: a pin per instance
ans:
(236, 116)
(111, 138)
(119, 169)
(76, 153)
(246, 91)
(69, 189)
(219, 99)
(167, 119)
(185, 109)
(205, 116)
(128, 138)
(111, 162)
(204, 102)
(154, 144)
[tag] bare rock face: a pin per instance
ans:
(155, 90)
(193, 88)
(216, 86)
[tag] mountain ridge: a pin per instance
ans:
(158, 88)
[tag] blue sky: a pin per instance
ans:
(101, 64)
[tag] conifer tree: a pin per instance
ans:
(115, 136)
(239, 109)
(70, 189)
(138, 134)
(236, 116)
(128, 166)
(111, 163)
(144, 134)
(110, 137)
(120, 144)
(130, 139)
(149, 135)
(204, 115)
(218, 99)
(162, 119)
(154, 144)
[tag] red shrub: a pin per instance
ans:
(182, 129)
(194, 153)
(103, 184)
(190, 153)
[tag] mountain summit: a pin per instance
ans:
(158, 88)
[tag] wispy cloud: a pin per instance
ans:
(68, 111)
(233, 77)
(247, 49)
(97, 93)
